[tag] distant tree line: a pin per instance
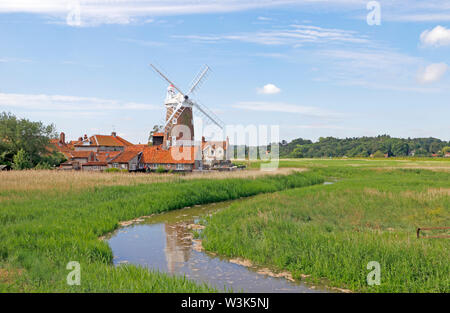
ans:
(379, 146)
(25, 144)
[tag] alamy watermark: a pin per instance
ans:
(374, 15)
(243, 143)
(74, 276)
(374, 276)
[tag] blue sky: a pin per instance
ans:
(316, 68)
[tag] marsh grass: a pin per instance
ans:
(331, 232)
(39, 235)
(29, 183)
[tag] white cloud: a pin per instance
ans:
(269, 89)
(432, 73)
(65, 104)
(281, 107)
(438, 36)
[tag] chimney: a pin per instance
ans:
(80, 139)
(85, 137)
(203, 139)
(62, 138)
(157, 139)
(113, 134)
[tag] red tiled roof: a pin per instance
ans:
(125, 156)
(105, 156)
(94, 164)
(65, 149)
(173, 155)
(107, 141)
(123, 141)
(139, 147)
(80, 154)
(158, 135)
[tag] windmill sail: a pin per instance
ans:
(199, 79)
(165, 78)
(210, 115)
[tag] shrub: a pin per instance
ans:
(378, 154)
(21, 160)
(160, 169)
(43, 166)
(112, 170)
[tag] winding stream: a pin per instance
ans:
(164, 242)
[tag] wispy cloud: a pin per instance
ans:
(282, 107)
(144, 43)
(10, 60)
(264, 18)
(295, 35)
(68, 104)
(321, 126)
(95, 12)
(374, 68)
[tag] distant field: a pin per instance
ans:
(327, 234)
(436, 164)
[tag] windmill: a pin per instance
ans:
(179, 109)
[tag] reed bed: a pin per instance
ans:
(55, 180)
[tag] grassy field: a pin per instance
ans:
(327, 234)
(48, 219)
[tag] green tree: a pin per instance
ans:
(21, 160)
(156, 128)
(400, 148)
(446, 150)
(378, 154)
(21, 134)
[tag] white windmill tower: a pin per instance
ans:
(179, 111)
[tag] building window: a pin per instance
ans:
(180, 167)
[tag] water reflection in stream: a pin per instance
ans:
(164, 243)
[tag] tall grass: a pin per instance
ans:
(31, 183)
(331, 232)
(41, 234)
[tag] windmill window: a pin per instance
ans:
(174, 121)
